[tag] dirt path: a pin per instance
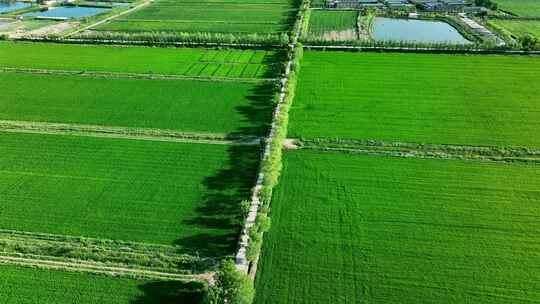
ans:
(53, 29)
(101, 269)
(122, 133)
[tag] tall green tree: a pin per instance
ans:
(231, 286)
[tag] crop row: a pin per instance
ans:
(165, 16)
(135, 191)
(418, 98)
(352, 229)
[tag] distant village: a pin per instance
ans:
(457, 6)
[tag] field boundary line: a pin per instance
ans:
(100, 22)
(53, 237)
(162, 135)
(148, 256)
(91, 264)
(100, 269)
(420, 150)
(144, 76)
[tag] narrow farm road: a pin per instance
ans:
(143, 4)
(102, 269)
(123, 133)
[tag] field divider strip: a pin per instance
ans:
(91, 251)
(58, 237)
(416, 150)
(144, 76)
(99, 269)
(123, 133)
(241, 260)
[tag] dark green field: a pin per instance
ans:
(145, 191)
(34, 286)
(240, 108)
(169, 61)
(419, 98)
(362, 229)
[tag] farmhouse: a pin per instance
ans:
(440, 5)
(353, 3)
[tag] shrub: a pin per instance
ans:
(231, 286)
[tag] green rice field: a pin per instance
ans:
(145, 191)
(523, 8)
(519, 28)
(254, 16)
(321, 22)
(239, 108)
(169, 61)
(418, 98)
(34, 286)
(362, 229)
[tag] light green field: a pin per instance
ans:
(209, 16)
(362, 229)
(185, 105)
(33, 286)
(144, 191)
(524, 8)
(322, 22)
(418, 98)
(169, 61)
(519, 28)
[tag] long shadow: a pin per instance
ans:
(220, 214)
(171, 292)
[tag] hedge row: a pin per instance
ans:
(171, 38)
(272, 165)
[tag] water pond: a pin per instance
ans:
(6, 7)
(412, 30)
(69, 12)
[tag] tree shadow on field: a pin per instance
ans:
(220, 214)
(170, 292)
(293, 13)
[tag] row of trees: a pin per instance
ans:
(173, 38)
(232, 286)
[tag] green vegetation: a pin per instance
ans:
(324, 22)
(169, 61)
(184, 38)
(231, 286)
(34, 286)
(185, 105)
(418, 98)
(186, 195)
(519, 28)
(523, 8)
(209, 16)
(362, 229)
(487, 4)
